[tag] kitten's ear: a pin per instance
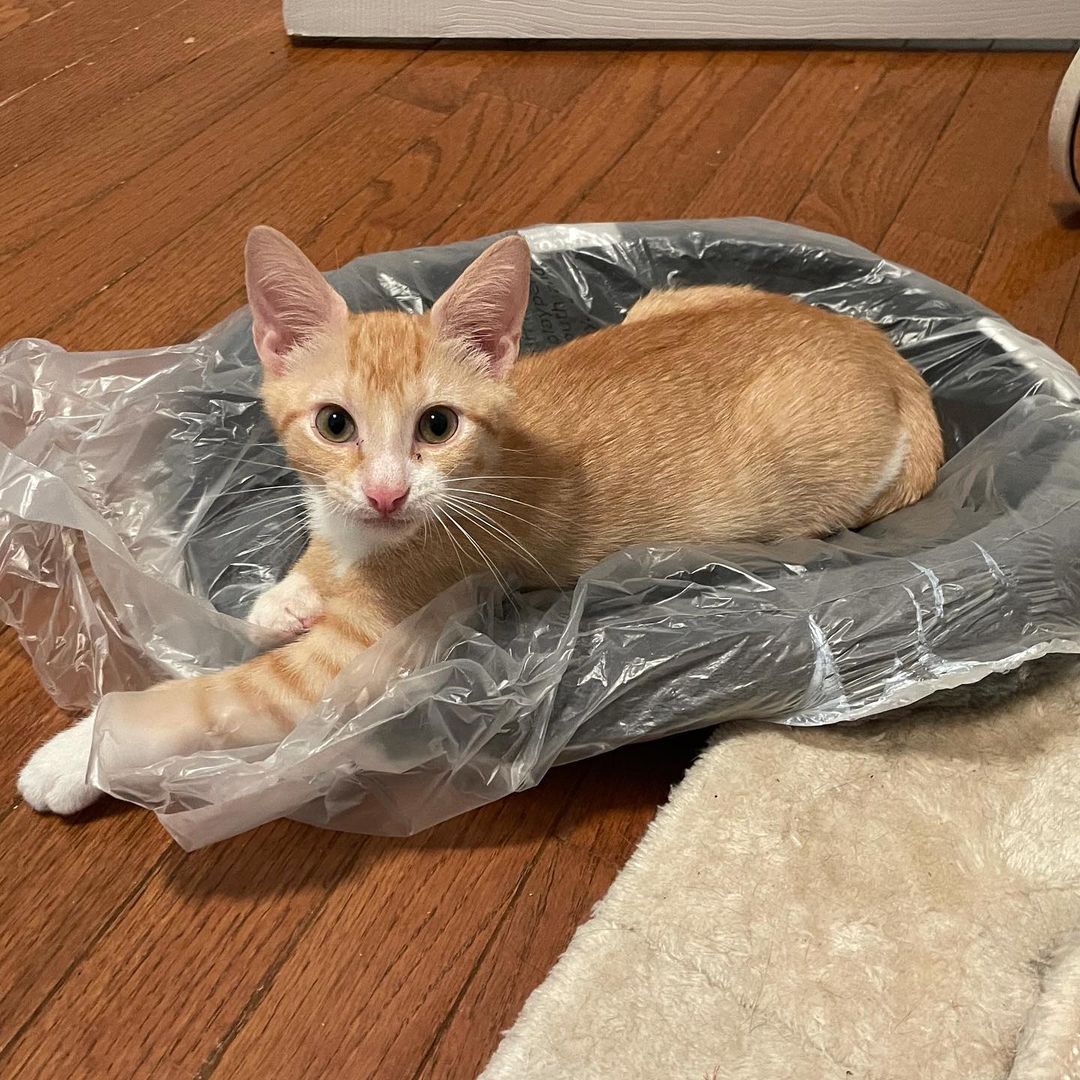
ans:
(485, 307)
(290, 300)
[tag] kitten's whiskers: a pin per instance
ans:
(503, 584)
(502, 535)
(257, 492)
(507, 498)
(255, 464)
(450, 537)
(477, 503)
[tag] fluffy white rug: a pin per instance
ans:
(894, 901)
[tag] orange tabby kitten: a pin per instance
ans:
(430, 451)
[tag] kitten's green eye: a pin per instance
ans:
(334, 424)
(437, 424)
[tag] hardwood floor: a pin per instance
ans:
(140, 139)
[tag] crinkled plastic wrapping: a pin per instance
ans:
(144, 504)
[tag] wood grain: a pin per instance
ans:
(461, 167)
(406, 990)
(26, 697)
(104, 124)
(886, 146)
(686, 145)
(15, 14)
(449, 169)
(61, 895)
(772, 167)
(553, 895)
(89, 88)
(1030, 264)
(212, 909)
(952, 207)
(136, 217)
(416, 193)
(577, 150)
(553, 79)
(290, 952)
(445, 77)
(985, 142)
(1068, 340)
(950, 261)
(55, 36)
(615, 807)
(611, 809)
(292, 196)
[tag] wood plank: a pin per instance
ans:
(177, 964)
(620, 795)
(554, 900)
(292, 196)
(406, 201)
(550, 78)
(51, 38)
(434, 190)
(950, 261)
(63, 884)
(616, 800)
(134, 220)
(417, 918)
(30, 712)
(859, 190)
(450, 168)
(466, 168)
(1030, 265)
(773, 166)
(100, 127)
(15, 14)
(404, 205)
(573, 153)
(447, 76)
(408, 205)
(973, 164)
(945, 221)
(440, 79)
(1068, 340)
(688, 142)
(59, 893)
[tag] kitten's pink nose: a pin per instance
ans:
(387, 499)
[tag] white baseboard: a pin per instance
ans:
(686, 19)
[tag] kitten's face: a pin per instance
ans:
(386, 416)
(388, 425)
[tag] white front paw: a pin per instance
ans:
(54, 779)
(290, 607)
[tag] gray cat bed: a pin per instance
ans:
(144, 503)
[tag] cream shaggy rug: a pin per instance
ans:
(896, 901)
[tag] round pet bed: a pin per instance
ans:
(144, 503)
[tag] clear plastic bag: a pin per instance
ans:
(135, 532)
